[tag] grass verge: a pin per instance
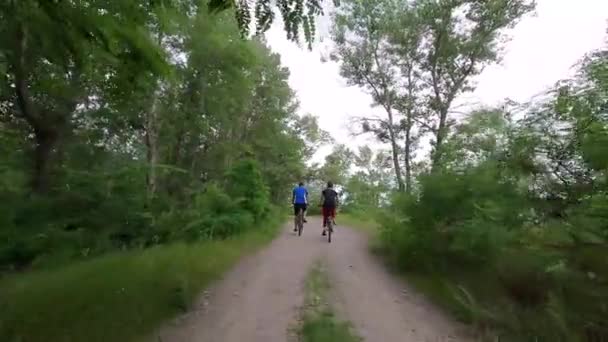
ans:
(484, 298)
(361, 223)
(120, 296)
(319, 321)
(447, 292)
(365, 224)
(481, 300)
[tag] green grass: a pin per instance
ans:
(447, 291)
(325, 328)
(484, 297)
(361, 223)
(479, 297)
(365, 224)
(117, 297)
(319, 322)
(453, 294)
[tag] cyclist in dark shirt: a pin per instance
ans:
(329, 200)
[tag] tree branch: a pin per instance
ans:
(425, 125)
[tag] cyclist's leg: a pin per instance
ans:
(324, 215)
(304, 209)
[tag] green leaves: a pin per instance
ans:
(337, 165)
(151, 121)
(93, 24)
(519, 201)
(414, 59)
(461, 39)
(297, 15)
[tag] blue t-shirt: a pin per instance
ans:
(300, 195)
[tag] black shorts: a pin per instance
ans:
(298, 206)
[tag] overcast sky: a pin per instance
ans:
(543, 49)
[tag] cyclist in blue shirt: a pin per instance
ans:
(300, 200)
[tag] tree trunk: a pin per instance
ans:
(45, 135)
(440, 138)
(46, 141)
(408, 157)
(151, 141)
(408, 130)
(395, 150)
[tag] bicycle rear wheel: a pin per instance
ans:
(330, 229)
(300, 222)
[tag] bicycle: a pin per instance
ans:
(299, 222)
(328, 222)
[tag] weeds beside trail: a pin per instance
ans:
(365, 223)
(117, 297)
(319, 321)
(359, 221)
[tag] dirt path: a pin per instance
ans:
(381, 307)
(258, 301)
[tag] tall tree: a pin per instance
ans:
(53, 52)
(145, 116)
(308, 127)
(366, 187)
(337, 165)
(460, 39)
(361, 36)
(405, 35)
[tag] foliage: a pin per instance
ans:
(337, 165)
(415, 58)
(143, 148)
(360, 31)
(246, 184)
(130, 125)
(366, 189)
(516, 194)
(298, 16)
(522, 202)
(459, 39)
(121, 296)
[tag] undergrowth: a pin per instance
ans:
(119, 296)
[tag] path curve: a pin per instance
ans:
(259, 300)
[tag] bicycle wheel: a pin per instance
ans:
(300, 223)
(330, 229)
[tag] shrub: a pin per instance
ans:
(245, 183)
(524, 275)
(463, 218)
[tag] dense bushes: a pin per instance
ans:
(461, 218)
(513, 232)
(221, 211)
(120, 296)
(489, 243)
(78, 224)
(192, 135)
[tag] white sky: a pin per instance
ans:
(543, 49)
